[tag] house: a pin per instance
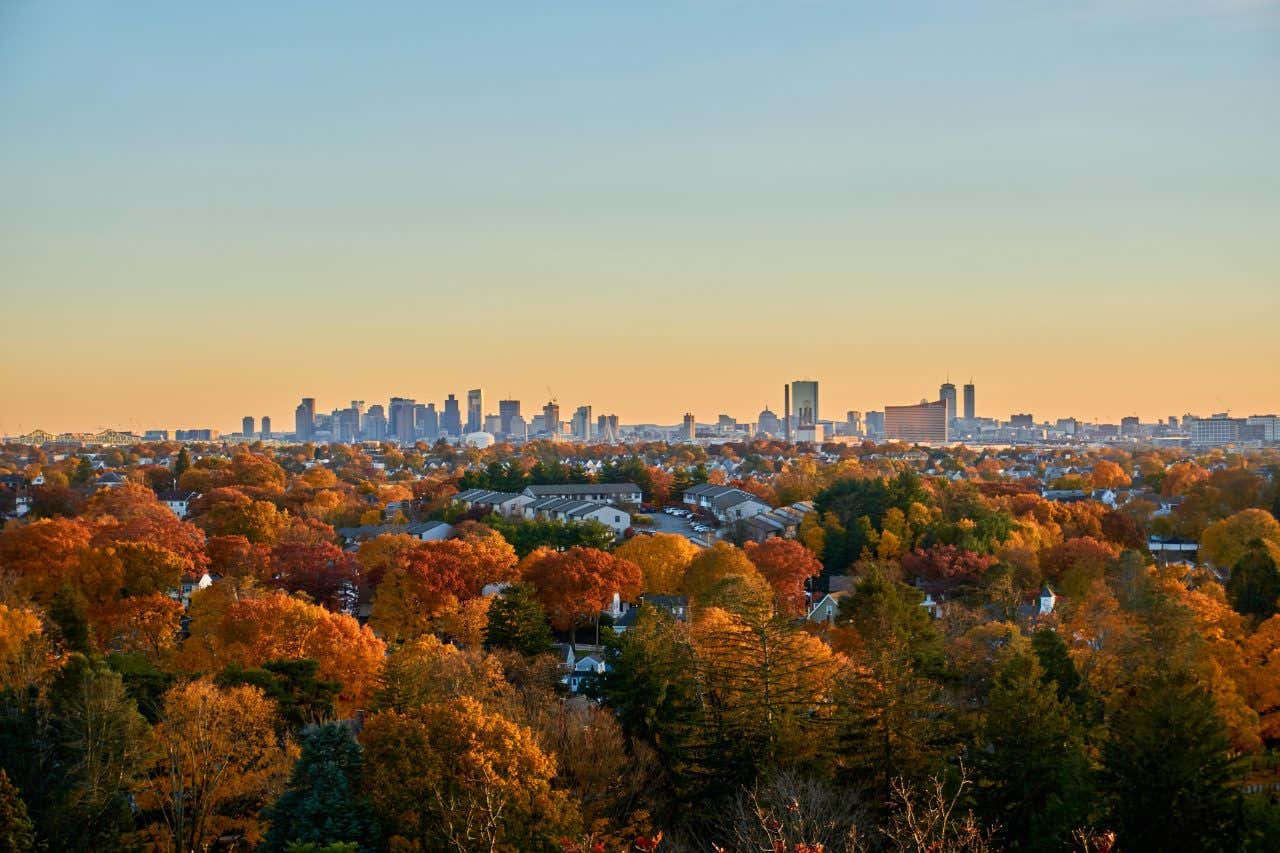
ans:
(726, 503)
(509, 504)
(824, 612)
(572, 510)
(189, 584)
(677, 606)
(581, 670)
(783, 522)
(1173, 549)
(427, 531)
(110, 480)
(178, 500)
(616, 493)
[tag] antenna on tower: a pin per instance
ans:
(551, 394)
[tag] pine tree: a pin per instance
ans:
(182, 464)
(322, 804)
(1254, 586)
(1035, 765)
(516, 621)
(17, 835)
(1167, 769)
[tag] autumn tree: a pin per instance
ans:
(217, 762)
(1225, 542)
(426, 671)
(1108, 475)
(230, 512)
(458, 776)
(45, 555)
(24, 653)
(1076, 564)
(944, 568)
(17, 835)
(662, 558)
(323, 803)
(787, 566)
(574, 586)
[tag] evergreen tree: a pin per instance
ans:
(1254, 586)
(83, 472)
(1035, 765)
(302, 698)
(182, 464)
(323, 805)
(1060, 671)
(517, 621)
(1167, 770)
(67, 613)
(17, 835)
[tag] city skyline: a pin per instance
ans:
(1076, 202)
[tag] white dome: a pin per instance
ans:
(479, 439)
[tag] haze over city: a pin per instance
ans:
(209, 211)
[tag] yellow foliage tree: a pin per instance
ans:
(1225, 542)
(662, 558)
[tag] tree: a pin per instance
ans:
(1077, 563)
(147, 624)
(228, 511)
(217, 761)
(322, 570)
(517, 622)
(23, 652)
(17, 835)
(426, 671)
(1034, 763)
(1226, 541)
(1108, 475)
(323, 803)
(183, 463)
(574, 586)
(45, 555)
(302, 699)
(715, 564)
(100, 741)
(943, 568)
(381, 554)
(1167, 769)
(458, 776)
(1254, 585)
(786, 565)
(258, 628)
(662, 558)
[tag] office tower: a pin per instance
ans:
(374, 427)
(726, 424)
(551, 418)
(1173, 422)
(1216, 431)
(786, 412)
(875, 424)
(451, 417)
(582, 423)
(947, 394)
(426, 422)
(475, 411)
(923, 422)
(1022, 420)
(853, 423)
(347, 422)
(689, 431)
(804, 402)
(246, 426)
(493, 424)
(402, 420)
(266, 426)
(537, 424)
(1069, 426)
(519, 430)
(1130, 426)
(304, 419)
(507, 410)
(970, 410)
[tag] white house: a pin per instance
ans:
(726, 503)
(572, 510)
(178, 500)
(509, 504)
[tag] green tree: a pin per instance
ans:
(516, 621)
(322, 804)
(301, 698)
(1254, 586)
(17, 835)
(1166, 767)
(1035, 765)
(1060, 671)
(182, 464)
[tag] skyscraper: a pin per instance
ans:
(304, 419)
(451, 417)
(947, 394)
(804, 402)
(689, 431)
(402, 420)
(374, 426)
(266, 426)
(475, 410)
(426, 421)
(246, 426)
(582, 423)
(507, 411)
(551, 418)
(969, 407)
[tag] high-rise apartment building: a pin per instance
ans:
(451, 417)
(304, 419)
(475, 410)
(970, 407)
(804, 402)
(551, 418)
(266, 426)
(246, 426)
(947, 394)
(508, 410)
(581, 424)
(923, 422)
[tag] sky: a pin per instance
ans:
(210, 210)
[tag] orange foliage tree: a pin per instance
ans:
(786, 565)
(574, 586)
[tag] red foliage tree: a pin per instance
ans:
(786, 565)
(943, 568)
(574, 586)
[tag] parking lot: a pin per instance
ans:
(663, 523)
